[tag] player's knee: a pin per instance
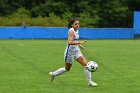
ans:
(67, 69)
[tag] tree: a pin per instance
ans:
(94, 13)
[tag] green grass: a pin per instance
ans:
(25, 64)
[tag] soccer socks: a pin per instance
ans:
(59, 71)
(56, 73)
(87, 73)
(88, 77)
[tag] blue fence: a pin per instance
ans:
(61, 33)
(106, 33)
(136, 22)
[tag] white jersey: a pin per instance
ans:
(75, 38)
(72, 51)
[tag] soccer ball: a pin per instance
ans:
(92, 66)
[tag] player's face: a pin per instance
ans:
(76, 25)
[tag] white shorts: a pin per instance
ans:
(70, 56)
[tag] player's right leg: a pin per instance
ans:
(57, 72)
(68, 63)
(60, 71)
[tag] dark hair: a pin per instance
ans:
(70, 22)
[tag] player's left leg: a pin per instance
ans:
(83, 62)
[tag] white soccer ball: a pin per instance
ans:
(92, 66)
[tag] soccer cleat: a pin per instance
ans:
(52, 76)
(91, 83)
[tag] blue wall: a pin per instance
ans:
(136, 25)
(61, 33)
(32, 32)
(106, 33)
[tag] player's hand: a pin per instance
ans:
(81, 42)
(82, 47)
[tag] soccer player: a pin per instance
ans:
(72, 52)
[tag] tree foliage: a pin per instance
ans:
(91, 13)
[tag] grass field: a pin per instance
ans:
(25, 64)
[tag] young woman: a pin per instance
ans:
(72, 52)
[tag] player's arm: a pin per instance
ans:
(81, 46)
(70, 39)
